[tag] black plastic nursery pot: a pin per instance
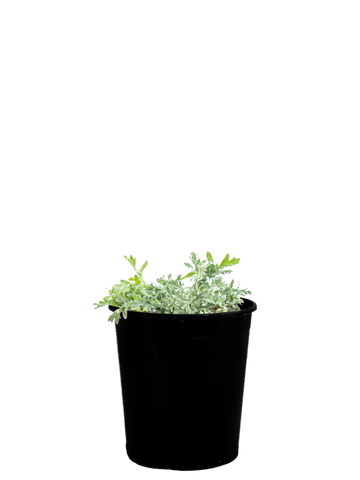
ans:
(182, 379)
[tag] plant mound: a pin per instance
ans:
(206, 286)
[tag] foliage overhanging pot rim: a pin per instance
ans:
(255, 306)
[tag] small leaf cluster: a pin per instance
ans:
(208, 292)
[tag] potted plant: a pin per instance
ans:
(182, 356)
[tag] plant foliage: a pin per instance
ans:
(208, 292)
